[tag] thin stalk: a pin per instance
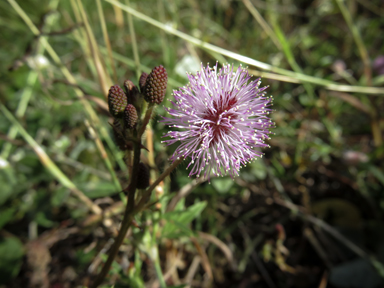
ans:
(267, 29)
(81, 36)
(290, 57)
(148, 192)
(159, 272)
(106, 39)
(151, 154)
(119, 17)
(153, 250)
(358, 40)
(127, 219)
(104, 80)
(163, 37)
(375, 125)
(134, 43)
(146, 119)
(330, 85)
(49, 164)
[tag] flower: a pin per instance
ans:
(222, 119)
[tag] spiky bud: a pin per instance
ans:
(118, 132)
(117, 100)
(142, 80)
(142, 176)
(156, 85)
(130, 116)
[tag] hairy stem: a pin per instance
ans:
(127, 219)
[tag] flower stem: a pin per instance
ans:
(146, 119)
(131, 210)
(127, 219)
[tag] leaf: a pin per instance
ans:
(222, 185)
(377, 173)
(258, 169)
(11, 254)
(42, 220)
(355, 274)
(6, 188)
(6, 215)
(178, 221)
(338, 212)
(97, 189)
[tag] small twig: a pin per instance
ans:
(222, 246)
(147, 192)
(184, 191)
(317, 246)
(204, 258)
(352, 100)
(192, 271)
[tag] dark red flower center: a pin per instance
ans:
(224, 103)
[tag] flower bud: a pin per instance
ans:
(142, 176)
(156, 85)
(142, 80)
(117, 101)
(130, 116)
(133, 94)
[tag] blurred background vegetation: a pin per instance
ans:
(308, 214)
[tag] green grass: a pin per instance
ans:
(322, 179)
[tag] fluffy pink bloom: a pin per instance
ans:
(222, 120)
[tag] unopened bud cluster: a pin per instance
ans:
(126, 105)
(155, 85)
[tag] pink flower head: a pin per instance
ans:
(222, 120)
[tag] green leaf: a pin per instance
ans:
(42, 220)
(97, 189)
(6, 215)
(377, 173)
(6, 188)
(178, 221)
(222, 185)
(11, 254)
(357, 273)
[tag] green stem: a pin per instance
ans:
(159, 272)
(146, 119)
